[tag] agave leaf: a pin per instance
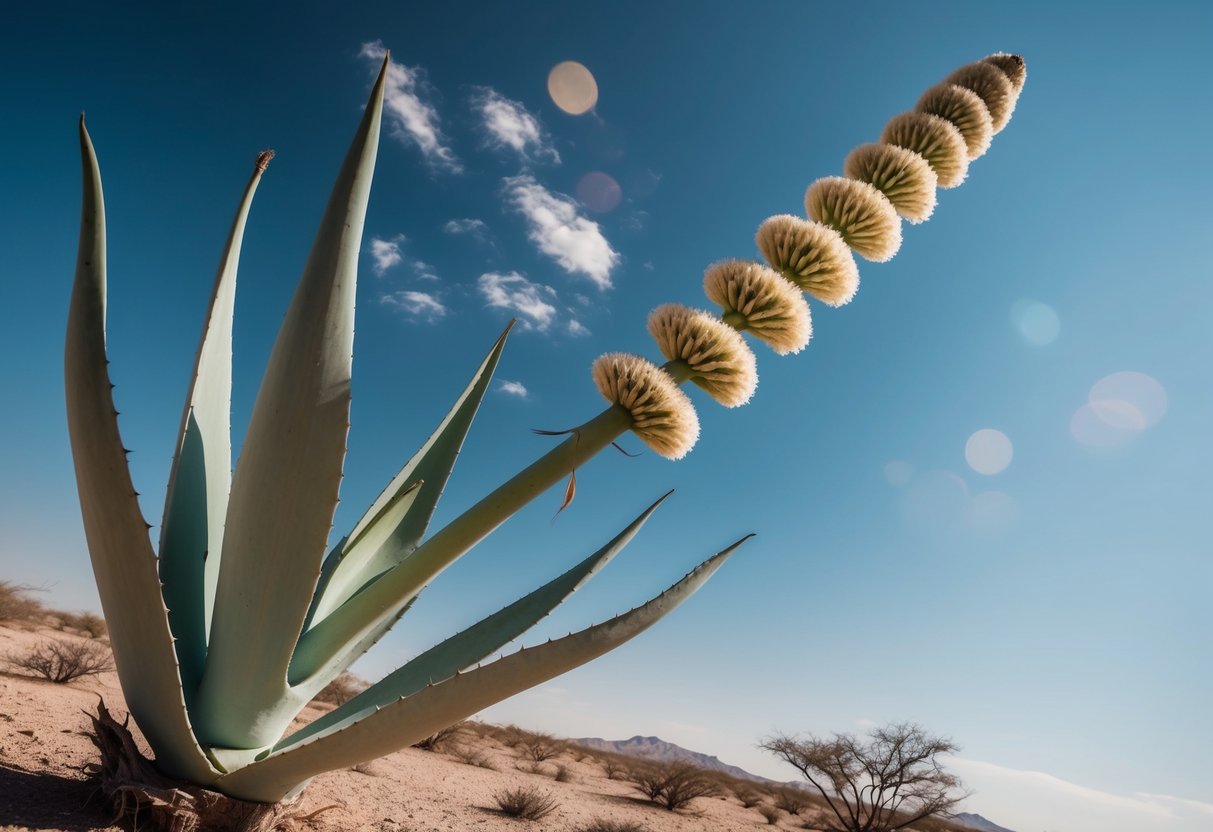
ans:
(284, 491)
(355, 564)
(408, 720)
(123, 561)
(383, 597)
(191, 536)
(473, 644)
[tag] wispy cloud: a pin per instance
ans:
(514, 292)
(412, 119)
(466, 225)
(512, 388)
(555, 226)
(386, 253)
(576, 328)
(1025, 799)
(510, 125)
(420, 305)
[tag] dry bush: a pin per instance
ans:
(511, 736)
(674, 785)
(88, 623)
(525, 802)
(62, 661)
(532, 768)
(563, 775)
(443, 737)
(604, 825)
(748, 795)
(792, 801)
(615, 769)
(770, 813)
(540, 747)
(471, 756)
(17, 604)
(341, 690)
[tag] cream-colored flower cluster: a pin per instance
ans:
(860, 213)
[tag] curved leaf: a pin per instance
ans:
(431, 465)
(191, 536)
(284, 491)
(123, 561)
(473, 644)
(408, 720)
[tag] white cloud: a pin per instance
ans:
(386, 253)
(412, 120)
(575, 327)
(467, 225)
(1023, 799)
(554, 225)
(513, 291)
(513, 388)
(416, 304)
(509, 124)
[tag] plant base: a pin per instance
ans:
(138, 792)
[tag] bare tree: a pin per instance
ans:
(889, 781)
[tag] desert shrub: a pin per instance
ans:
(17, 603)
(615, 769)
(62, 661)
(770, 813)
(604, 825)
(532, 768)
(88, 623)
(525, 802)
(511, 736)
(540, 746)
(563, 775)
(471, 756)
(443, 737)
(674, 785)
(748, 795)
(792, 801)
(341, 690)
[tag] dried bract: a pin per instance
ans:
(811, 255)
(768, 306)
(903, 176)
(720, 361)
(863, 215)
(662, 415)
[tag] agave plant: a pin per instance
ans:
(245, 612)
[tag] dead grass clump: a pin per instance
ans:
(442, 738)
(604, 825)
(563, 775)
(770, 813)
(62, 661)
(341, 690)
(674, 785)
(17, 604)
(749, 796)
(525, 802)
(471, 756)
(85, 623)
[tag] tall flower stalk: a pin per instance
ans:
(246, 612)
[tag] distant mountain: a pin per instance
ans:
(973, 821)
(654, 748)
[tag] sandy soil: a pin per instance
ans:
(44, 756)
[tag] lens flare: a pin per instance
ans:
(1036, 322)
(573, 88)
(599, 192)
(989, 451)
(1119, 408)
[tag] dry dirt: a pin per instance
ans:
(44, 785)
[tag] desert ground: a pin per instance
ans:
(45, 757)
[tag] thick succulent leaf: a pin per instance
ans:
(384, 596)
(285, 488)
(123, 560)
(408, 720)
(473, 644)
(432, 466)
(191, 536)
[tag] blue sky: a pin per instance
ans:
(1053, 617)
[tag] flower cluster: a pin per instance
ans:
(860, 213)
